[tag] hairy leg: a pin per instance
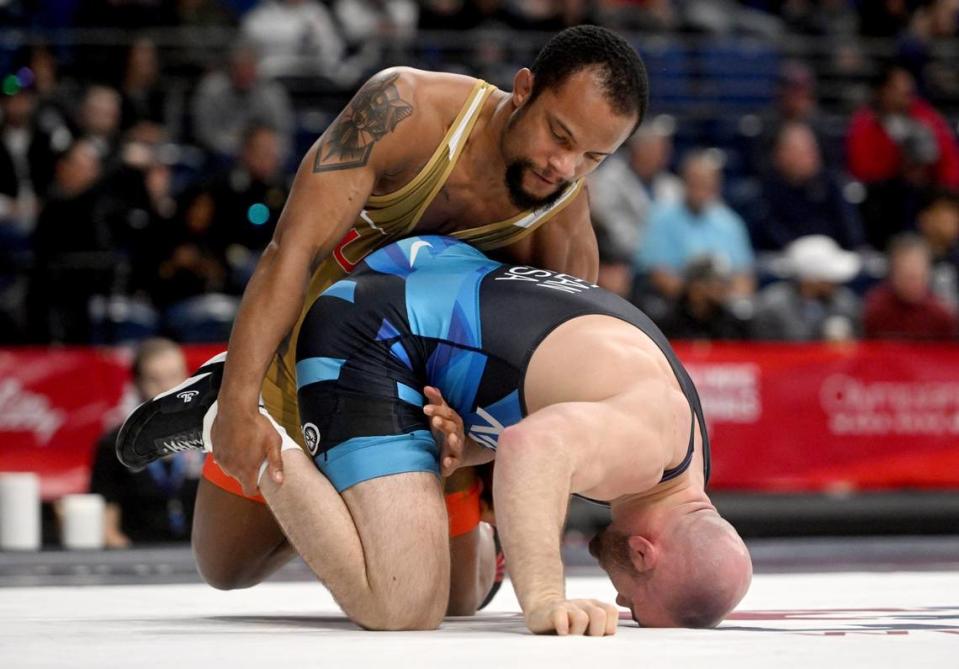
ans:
(381, 548)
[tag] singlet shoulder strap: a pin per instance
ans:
(447, 151)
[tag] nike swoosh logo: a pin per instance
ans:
(415, 248)
(189, 381)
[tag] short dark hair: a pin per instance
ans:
(905, 242)
(939, 196)
(622, 72)
(884, 70)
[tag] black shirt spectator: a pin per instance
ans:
(800, 198)
(143, 95)
(72, 249)
(247, 201)
(157, 503)
(702, 310)
(154, 505)
(938, 223)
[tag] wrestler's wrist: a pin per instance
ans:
(474, 454)
(542, 600)
(237, 404)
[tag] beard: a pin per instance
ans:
(611, 549)
(522, 198)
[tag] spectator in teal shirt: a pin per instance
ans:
(701, 225)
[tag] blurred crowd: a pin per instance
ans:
(147, 148)
(814, 254)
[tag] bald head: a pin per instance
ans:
(693, 574)
(704, 570)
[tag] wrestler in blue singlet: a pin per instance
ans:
(434, 311)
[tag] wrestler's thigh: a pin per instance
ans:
(402, 523)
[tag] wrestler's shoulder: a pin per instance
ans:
(419, 107)
(434, 96)
(434, 86)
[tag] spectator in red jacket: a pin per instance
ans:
(900, 133)
(904, 306)
(897, 146)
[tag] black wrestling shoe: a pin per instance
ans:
(172, 421)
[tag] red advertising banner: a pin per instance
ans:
(782, 418)
(829, 417)
(55, 403)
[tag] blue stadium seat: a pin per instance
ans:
(120, 320)
(668, 66)
(739, 74)
(205, 318)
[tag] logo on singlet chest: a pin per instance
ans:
(542, 278)
(486, 435)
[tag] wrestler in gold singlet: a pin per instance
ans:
(385, 219)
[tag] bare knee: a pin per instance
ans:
(236, 542)
(403, 611)
(225, 581)
(401, 605)
(221, 573)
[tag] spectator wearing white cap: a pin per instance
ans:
(812, 303)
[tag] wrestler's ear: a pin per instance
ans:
(522, 87)
(642, 553)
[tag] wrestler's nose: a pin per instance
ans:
(563, 165)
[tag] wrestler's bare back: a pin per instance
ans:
(604, 360)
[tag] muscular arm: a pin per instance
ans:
(539, 463)
(531, 488)
(331, 186)
(274, 297)
(566, 243)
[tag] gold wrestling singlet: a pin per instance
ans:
(385, 219)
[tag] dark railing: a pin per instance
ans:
(689, 73)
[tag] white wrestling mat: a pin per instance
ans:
(814, 621)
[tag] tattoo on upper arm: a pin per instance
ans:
(374, 112)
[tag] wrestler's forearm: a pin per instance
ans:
(474, 454)
(320, 209)
(269, 309)
(531, 487)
